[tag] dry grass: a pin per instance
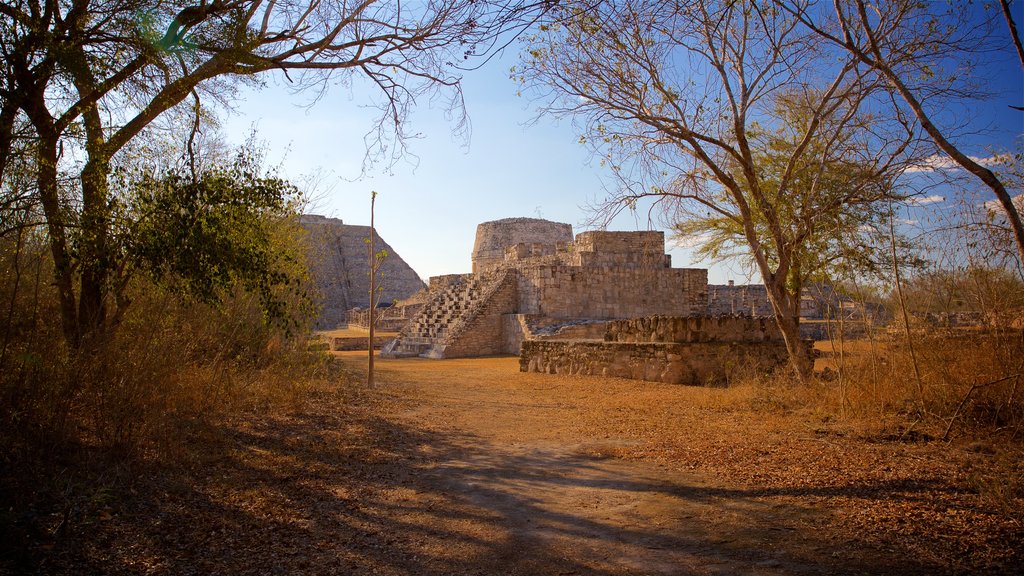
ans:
(459, 466)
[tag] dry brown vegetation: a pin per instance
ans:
(471, 467)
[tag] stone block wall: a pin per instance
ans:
(745, 299)
(347, 343)
(521, 327)
(693, 329)
(481, 333)
(605, 292)
(542, 328)
(648, 242)
(694, 363)
(493, 238)
(620, 249)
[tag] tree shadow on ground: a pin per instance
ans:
(356, 492)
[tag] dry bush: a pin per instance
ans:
(963, 380)
(969, 399)
(970, 383)
(172, 367)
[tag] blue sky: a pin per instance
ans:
(513, 164)
(428, 205)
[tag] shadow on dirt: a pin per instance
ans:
(347, 491)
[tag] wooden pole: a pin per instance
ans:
(373, 290)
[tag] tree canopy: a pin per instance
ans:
(735, 117)
(81, 78)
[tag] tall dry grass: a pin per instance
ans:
(171, 366)
(969, 383)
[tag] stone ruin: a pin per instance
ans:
(564, 305)
(339, 266)
(695, 350)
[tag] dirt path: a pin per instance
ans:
(469, 467)
(534, 474)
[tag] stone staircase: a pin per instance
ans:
(426, 334)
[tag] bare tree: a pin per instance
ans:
(732, 117)
(906, 42)
(90, 75)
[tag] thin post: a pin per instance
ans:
(373, 290)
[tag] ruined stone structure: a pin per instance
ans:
(551, 284)
(696, 350)
(743, 299)
(388, 318)
(493, 238)
(752, 300)
(338, 260)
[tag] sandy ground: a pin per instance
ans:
(463, 467)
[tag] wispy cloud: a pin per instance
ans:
(939, 162)
(923, 200)
(995, 206)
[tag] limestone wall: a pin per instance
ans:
(518, 328)
(493, 238)
(621, 249)
(348, 343)
(481, 331)
(694, 363)
(606, 292)
(338, 263)
(746, 299)
(693, 329)
(678, 350)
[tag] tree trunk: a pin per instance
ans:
(94, 255)
(94, 251)
(63, 270)
(787, 316)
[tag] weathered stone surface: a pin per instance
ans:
(694, 350)
(338, 260)
(348, 343)
(493, 238)
(746, 299)
(693, 329)
(694, 363)
(603, 275)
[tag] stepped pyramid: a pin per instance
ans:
(338, 263)
(528, 272)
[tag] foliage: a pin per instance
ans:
(733, 120)
(833, 212)
(175, 363)
(93, 75)
(201, 235)
(971, 289)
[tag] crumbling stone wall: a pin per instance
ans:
(693, 329)
(606, 292)
(678, 350)
(349, 343)
(745, 299)
(695, 363)
(521, 327)
(493, 238)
